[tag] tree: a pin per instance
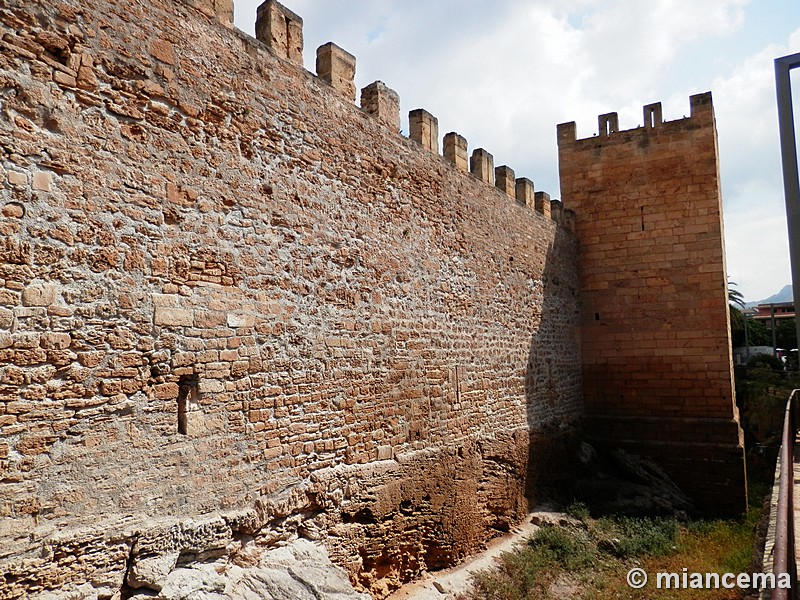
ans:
(734, 295)
(757, 332)
(786, 334)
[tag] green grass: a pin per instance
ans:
(591, 562)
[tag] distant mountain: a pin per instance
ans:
(785, 295)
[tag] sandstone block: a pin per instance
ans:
(383, 103)
(556, 210)
(151, 571)
(56, 341)
(31, 445)
(41, 181)
(211, 386)
(237, 320)
(65, 79)
(162, 50)
(39, 295)
(481, 165)
(17, 178)
(541, 202)
(424, 129)
(337, 67)
(190, 535)
(455, 151)
(505, 180)
(523, 191)
(13, 210)
(173, 317)
(280, 29)
(166, 391)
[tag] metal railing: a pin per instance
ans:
(784, 549)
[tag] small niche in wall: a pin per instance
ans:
(187, 401)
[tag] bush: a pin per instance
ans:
(765, 362)
(563, 547)
(640, 537)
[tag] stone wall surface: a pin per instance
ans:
(235, 309)
(656, 358)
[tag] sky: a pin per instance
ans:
(504, 73)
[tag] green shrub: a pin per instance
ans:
(579, 510)
(563, 547)
(635, 537)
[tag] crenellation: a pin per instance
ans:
(505, 180)
(337, 67)
(702, 108)
(566, 133)
(701, 114)
(557, 211)
(541, 203)
(383, 103)
(455, 151)
(607, 124)
(280, 29)
(424, 129)
(653, 116)
(481, 165)
(523, 192)
(567, 221)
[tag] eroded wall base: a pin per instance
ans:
(384, 523)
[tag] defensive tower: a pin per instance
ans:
(656, 361)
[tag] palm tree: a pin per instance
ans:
(734, 295)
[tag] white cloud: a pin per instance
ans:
(504, 73)
(755, 214)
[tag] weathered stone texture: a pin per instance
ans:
(424, 129)
(655, 339)
(224, 288)
(280, 29)
(383, 103)
(455, 151)
(523, 192)
(505, 180)
(337, 67)
(481, 165)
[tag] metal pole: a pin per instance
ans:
(772, 327)
(791, 182)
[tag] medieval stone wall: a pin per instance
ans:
(235, 308)
(656, 355)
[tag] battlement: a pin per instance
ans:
(281, 30)
(701, 113)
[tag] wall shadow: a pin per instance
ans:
(553, 391)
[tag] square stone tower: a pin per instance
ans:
(657, 371)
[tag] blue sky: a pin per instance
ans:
(505, 73)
